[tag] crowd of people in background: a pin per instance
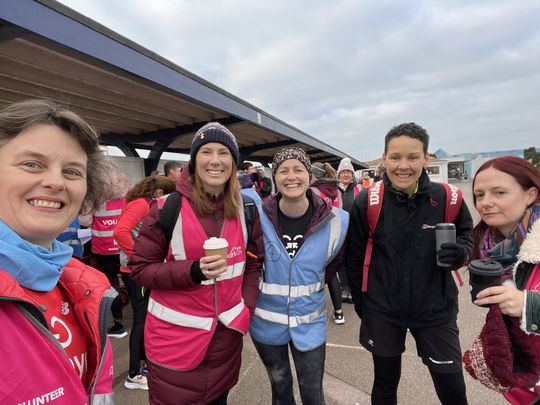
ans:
(210, 250)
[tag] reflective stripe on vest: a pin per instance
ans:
(191, 321)
(190, 316)
(335, 233)
(292, 321)
(178, 318)
(233, 271)
(291, 291)
(291, 305)
(103, 224)
(102, 233)
(230, 315)
(103, 399)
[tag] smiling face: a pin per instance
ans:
(292, 179)
(500, 199)
(346, 177)
(43, 183)
(404, 160)
(213, 165)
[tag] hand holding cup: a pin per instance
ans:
(215, 261)
(212, 266)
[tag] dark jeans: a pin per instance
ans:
(335, 293)
(110, 266)
(309, 371)
(139, 304)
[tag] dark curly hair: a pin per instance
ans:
(409, 129)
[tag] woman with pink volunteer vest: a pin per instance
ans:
(53, 308)
(507, 197)
(137, 206)
(200, 306)
(105, 248)
(325, 184)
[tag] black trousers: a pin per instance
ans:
(110, 266)
(139, 303)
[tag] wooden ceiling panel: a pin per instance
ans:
(127, 88)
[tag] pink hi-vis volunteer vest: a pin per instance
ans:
(105, 219)
(357, 189)
(521, 395)
(180, 324)
(336, 202)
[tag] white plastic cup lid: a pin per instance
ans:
(215, 243)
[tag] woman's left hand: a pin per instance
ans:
(510, 299)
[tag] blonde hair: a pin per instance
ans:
(329, 171)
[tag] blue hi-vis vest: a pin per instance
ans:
(292, 300)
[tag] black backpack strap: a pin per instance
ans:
(250, 212)
(168, 214)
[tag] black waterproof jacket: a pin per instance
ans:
(405, 285)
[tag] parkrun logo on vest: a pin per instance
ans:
(374, 198)
(235, 252)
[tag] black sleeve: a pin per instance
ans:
(266, 190)
(356, 248)
(464, 227)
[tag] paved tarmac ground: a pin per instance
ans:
(348, 371)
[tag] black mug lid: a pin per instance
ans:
(486, 267)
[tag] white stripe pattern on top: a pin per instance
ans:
(335, 231)
(178, 318)
(108, 213)
(102, 233)
(230, 315)
(295, 291)
(233, 270)
(284, 319)
(177, 241)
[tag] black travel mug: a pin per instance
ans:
(444, 233)
(484, 274)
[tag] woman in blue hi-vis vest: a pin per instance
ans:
(303, 239)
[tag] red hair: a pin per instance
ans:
(525, 174)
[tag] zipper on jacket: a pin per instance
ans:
(289, 295)
(104, 307)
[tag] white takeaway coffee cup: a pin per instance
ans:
(216, 247)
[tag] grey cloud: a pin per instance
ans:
(347, 71)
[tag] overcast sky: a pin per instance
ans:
(346, 71)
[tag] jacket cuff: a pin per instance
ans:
(196, 273)
(531, 313)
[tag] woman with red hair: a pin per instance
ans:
(507, 197)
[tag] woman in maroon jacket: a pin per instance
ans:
(200, 306)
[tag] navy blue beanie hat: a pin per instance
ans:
(213, 132)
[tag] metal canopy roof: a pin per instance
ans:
(134, 98)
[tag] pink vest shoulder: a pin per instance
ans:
(33, 357)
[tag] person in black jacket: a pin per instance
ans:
(264, 184)
(406, 289)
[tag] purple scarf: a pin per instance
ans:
(504, 249)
